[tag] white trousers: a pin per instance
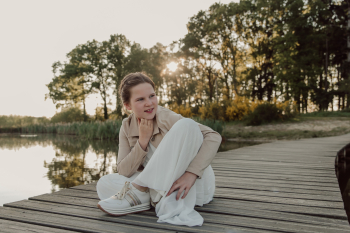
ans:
(168, 163)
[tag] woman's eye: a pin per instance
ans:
(139, 99)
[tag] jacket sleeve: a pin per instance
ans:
(207, 152)
(129, 159)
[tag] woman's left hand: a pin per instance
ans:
(185, 182)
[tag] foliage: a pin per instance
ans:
(13, 121)
(68, 115)
(185, 111)
(233, 58)
(238, 108)
(216, 125)
(264, 113)
(212, 111)
(89, 130)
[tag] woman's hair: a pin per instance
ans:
(129, 81)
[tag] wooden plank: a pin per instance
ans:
(336, 197)
(130, 221)
(279, 200)
(7, 226)
(302, 210)
(68, 222)
(217, 203)
(248, 183)
(237, 221)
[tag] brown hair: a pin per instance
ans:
(130, 81)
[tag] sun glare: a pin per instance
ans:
(172, 66)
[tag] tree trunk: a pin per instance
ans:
(84, 111)
(105, 108)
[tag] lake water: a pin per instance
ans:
(33, 166)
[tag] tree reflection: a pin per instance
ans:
(76, 161)
(69, 167)
(15, 142)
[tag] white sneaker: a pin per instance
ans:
(126, 201)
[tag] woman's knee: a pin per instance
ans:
(186, 124)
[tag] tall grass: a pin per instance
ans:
(89, 130)
(216, 125)
(343, 113)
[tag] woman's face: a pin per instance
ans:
(143, 101)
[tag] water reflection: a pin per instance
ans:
(70, 166)
(68, 161)
(343, 174)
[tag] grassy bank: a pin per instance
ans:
(108, 130)
(317, 124)
(310, 125)
(283, 135)
(89, 130)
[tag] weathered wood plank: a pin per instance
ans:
(68, 222)
(336, 197)
(217, 203)
(7, 226)
(150, 219)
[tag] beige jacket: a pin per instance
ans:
(131, 156)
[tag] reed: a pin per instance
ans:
(89, 130)
(107, 130)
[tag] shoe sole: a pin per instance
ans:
(131, 210)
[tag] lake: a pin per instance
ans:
(45, 163)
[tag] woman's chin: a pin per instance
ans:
(149, 116)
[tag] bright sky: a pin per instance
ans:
(35, 34)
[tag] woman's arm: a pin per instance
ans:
(207, 152)
(129, 160)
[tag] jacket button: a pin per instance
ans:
(153, 138)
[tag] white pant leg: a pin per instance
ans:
(168, 163)
(110, 184)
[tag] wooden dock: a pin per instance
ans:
(283, 186)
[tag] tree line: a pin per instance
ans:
(254, 50)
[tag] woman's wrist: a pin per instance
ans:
(143, 143)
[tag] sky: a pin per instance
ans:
(35, 34)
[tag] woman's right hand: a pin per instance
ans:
(145, 132)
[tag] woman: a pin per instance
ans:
(163, 159)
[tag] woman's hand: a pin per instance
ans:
(185, 182)
(145, 132)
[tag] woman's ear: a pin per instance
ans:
(127, 106)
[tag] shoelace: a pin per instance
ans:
(121, 194)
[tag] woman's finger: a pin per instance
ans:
(173, 188)
(179, 193)
(185, 194)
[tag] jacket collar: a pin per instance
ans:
(134, 128)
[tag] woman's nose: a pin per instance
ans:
(148, 102)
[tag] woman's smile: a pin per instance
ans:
(149, 110)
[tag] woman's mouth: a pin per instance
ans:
(149, 110)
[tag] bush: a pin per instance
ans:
(213, 111)
(264, 113)
(185, 111)
(237, 109)
(68, 115)
(289, 110)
